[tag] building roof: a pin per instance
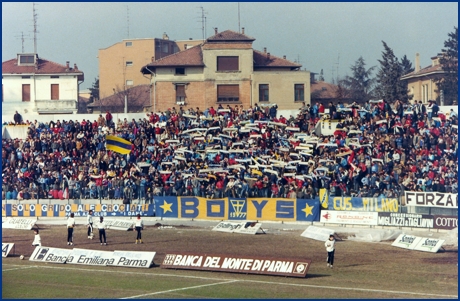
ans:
(323, 90)
(138, 96)
(229, 36)
(192, 57)
(262, 59)
(436, 69)
(44, 67)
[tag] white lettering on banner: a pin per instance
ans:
(447, 222)
(406, 221)
(6, 248)
(431, 199)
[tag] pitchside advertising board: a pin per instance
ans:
(431, 199)
(413, 220)
(349, 217)
(239, 227)
(18, 223)
(261, 209)
(317, 233)
(412, 242)
(363, 204)
(44, 210)
(133, 259)
(6, 248)
(237, 264)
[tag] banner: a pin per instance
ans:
(317, 233)
(324, 198)
(349, 217)
(445, 222)
(260, 209)
(6, 248)
(237, 264)
(406, 241)
(418, 243)
(51, 255)
(239, 227)
(18, 223)
(44, 210)
(405, 220)
(118, 144)
(122, 225)
(133, 259)
(431, 199)
(363, 204)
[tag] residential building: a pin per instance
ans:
(120, 63)
(32, 85)
(421, 83)
(136, 99)
(225, 69)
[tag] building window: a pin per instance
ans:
(263, 92)
(26, 59)
(228, 93)
(180, 71)
(25, 77)
(129, 44)
(129, 63)
(180, 93)
(54, 91)
(54, 76)
(227, 63)
(129, 82)
(299, 90)
(25, 92)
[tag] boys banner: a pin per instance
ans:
(43, 210)
(431, 199)
(363, 204)
(261, 209)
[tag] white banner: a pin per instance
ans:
(239, 227)
(18, 223)
(317, 233)
(52, 255)
(431, 199)
(349, 217)
(122, 225)
(133, 259)
(6, 248)
(91, 257)
(406, 241)
(418, 243)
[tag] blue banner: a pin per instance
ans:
(364, 204)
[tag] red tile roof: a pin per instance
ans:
(44, 67)
(230, 36)
(261, 59)
(323, 90)
(192, 57)
(425, 71)
(138, 96)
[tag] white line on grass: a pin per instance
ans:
(256, 281)
(180, 289)
(23, 267)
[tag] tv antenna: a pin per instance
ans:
(35, 15)
(127, 17)
(338, 61)
(22, 39)
(239, 27)
(203, 22)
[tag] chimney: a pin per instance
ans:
(268, 55)
(242, 30)
(152, 59)
(165, 36)
(265, 49)
(190, 39)
(215, 30)
(284, 57)
(417, 62)
(75, 66)
(67, 65)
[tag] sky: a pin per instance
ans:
(328, 36)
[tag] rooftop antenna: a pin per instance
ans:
(35, 28)
(332, 71)
(22, 40)
(203, 22)
(127, 16)
(239, 28)
(338, 61)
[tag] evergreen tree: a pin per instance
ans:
(389, 87)
(448, 84)
(361, 83)
(95, 90)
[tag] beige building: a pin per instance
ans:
(120, 63)
(421, 83)
(226, 70)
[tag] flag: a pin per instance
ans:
(118, 145)
(323, 198)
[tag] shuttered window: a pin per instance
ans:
(54, 91)
(299, 92)
(227, 63)
(228, 93)
(180, 93)
(26, 92)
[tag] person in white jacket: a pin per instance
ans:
(37, 240)
(139, 226)
(330, 248)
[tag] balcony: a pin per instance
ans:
(67, 106)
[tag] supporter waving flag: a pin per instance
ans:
(118, 145)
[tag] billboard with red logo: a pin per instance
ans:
(349, 217)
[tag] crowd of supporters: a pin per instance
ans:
(377, 150)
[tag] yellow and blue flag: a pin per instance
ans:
(117, 144)
(324, 198)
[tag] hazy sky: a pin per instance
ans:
(328, 36)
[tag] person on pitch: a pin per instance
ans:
(37, 240)
(102, 226)
(70, 226)
(330, 248)
(139, 226)
(89, 220)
